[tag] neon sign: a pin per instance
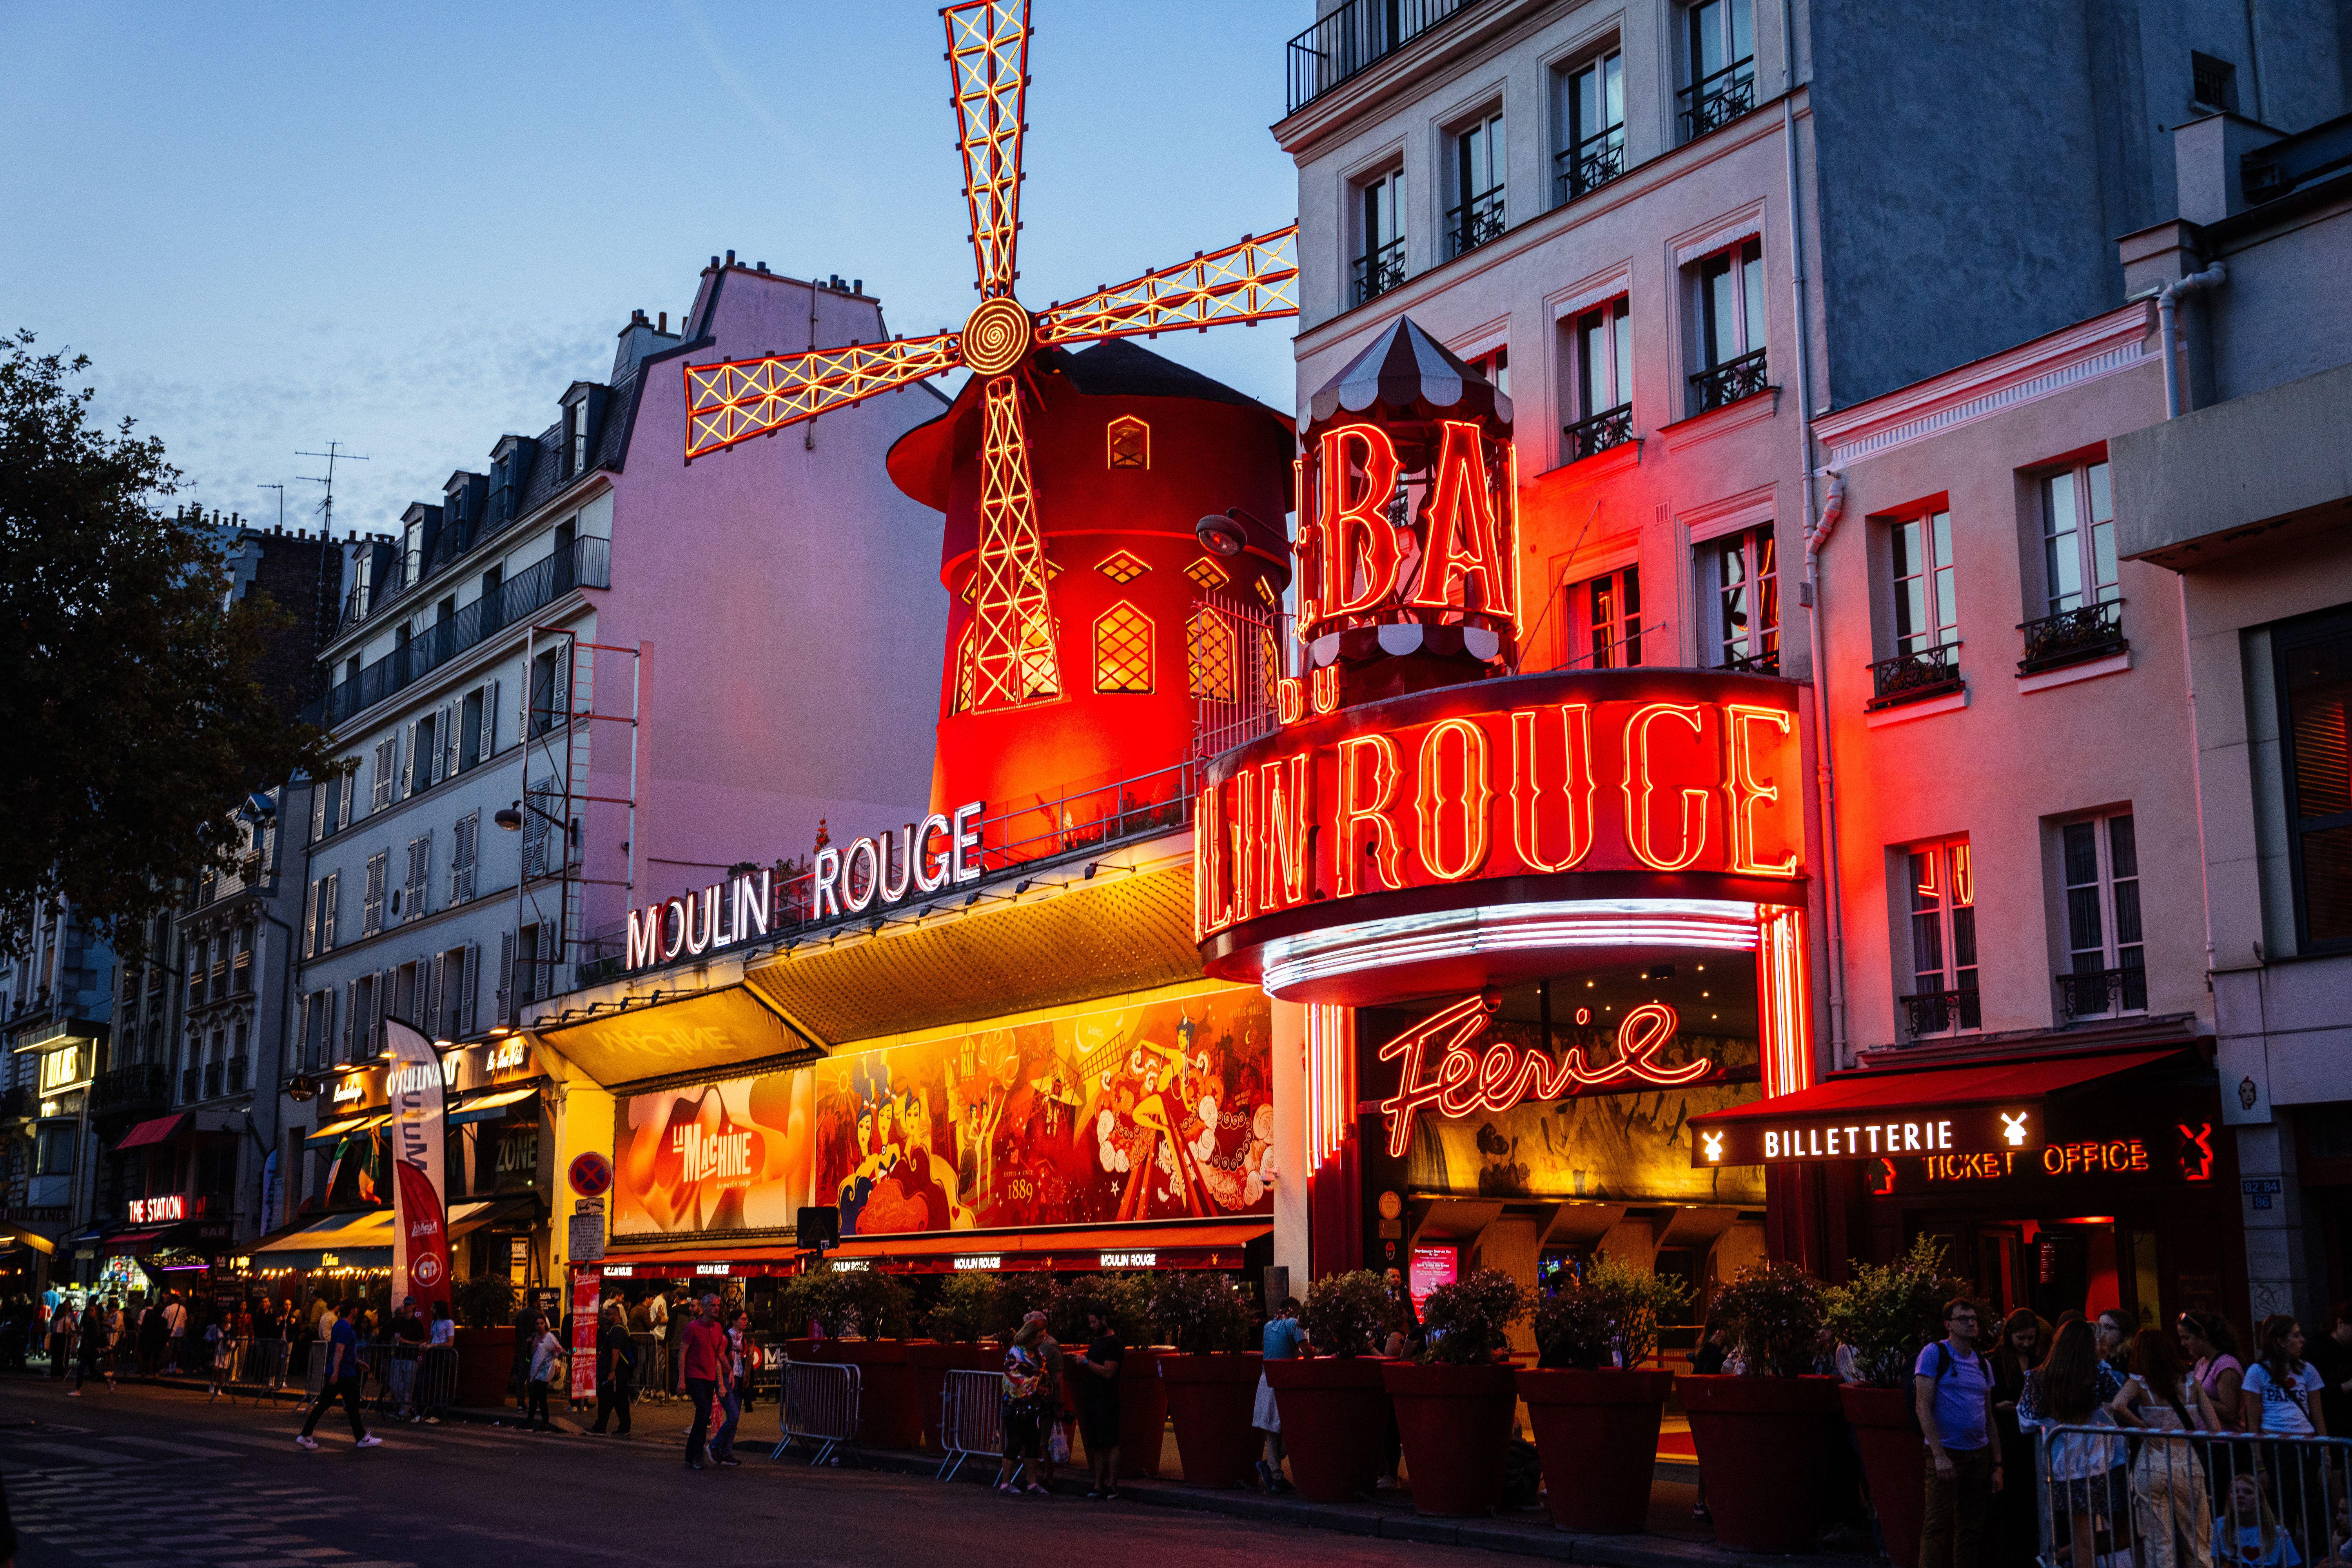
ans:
(1957, 1130)
(1465, 1083)
(691, 925)
(169, 1209)
(938, 854)
(1453, 560)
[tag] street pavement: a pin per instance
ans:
(145, 1478)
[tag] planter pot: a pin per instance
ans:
(1210, 1398)
(1894, 1462)
(484, 1357)
(933, 1360)
(1456, 1425)
(888, 1414)
(1335, 1416)
(1765, 1447)
(1598, 1434)
(1142, 1412)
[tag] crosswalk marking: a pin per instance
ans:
(74, 1451)
(161, 1446)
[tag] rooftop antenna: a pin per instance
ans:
(325, 608)
(282, 503)
(327, 507)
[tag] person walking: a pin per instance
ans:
(547, 1359)
(661, 1368)
(406, 1332)
(730, 1402)
(1096, 1386)
(90, 1360)
(615, 1365)
(1281, 1342)
(342, 1382)
(175, 1333)
(702, 1362)
(1025, 1376)
(2171, 1504)
(61, 1337)
(1952, 1391)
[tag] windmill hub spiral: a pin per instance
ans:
(997, 336)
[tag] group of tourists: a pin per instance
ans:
(1047, 1392)
(2159, 1449)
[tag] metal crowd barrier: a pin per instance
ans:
(255, 1369)
(651, 1373)
(971, 1419)
(2113, 1497)
(819, 1403)
(398, 1378)
(767, 1364)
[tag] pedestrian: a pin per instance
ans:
(220, 1345)
(2170, 1505)
(682, 1315)
(661, 1370)
(437, 1379)
(547, 1359)
(2012, 1535)
(154, 1333)
(1952, 1391)
(2330, 1355)
(2086, 1490)
(2115, 1342)
(2280, 1398)
(1281, 1342)
(702, 1363)
(730, 1401)
(61, 1337)
(616, 1365)
(114, 1339)
(1024, 1374)
(1054, 1431)
(2213, 1345)
(1097, 1373)
(342, 1382)
(1707, 1359)
(175, 1333)
(90, 1360)
(2251, 1537)
(407, 1334)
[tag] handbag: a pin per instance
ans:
(1058, 1448)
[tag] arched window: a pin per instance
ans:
(960, 699)
(1122, 649)
(1130, 441)
(1209, 656)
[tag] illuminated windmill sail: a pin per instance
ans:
(1014, 659)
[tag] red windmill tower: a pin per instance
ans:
(1008, 652)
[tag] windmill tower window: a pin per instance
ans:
(1123, 650)
(1121, 566)
(1209, 656)
(1130, 441)
(1207, 575)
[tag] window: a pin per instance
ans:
(576, 439)
(1129, 442)
(1208, 657)
(1496, 366)
(469, 727)
(1927, 617)
(1943, 898)
(412, 550)
(1207, 575)
(1600, 359)
(960, 699)
(2313, 662)
(548, 698)
(1743, 579)
(2078, 538)
(1123, 650)
(1721, 62)
(53, 1149)
(493, 610)
(1605, 618)
(2107, 971)
(1379, 264)
(1478, 177)
(387, 758)
(1730, 327)
(423, 749)
(413, 887)
(1592, 118)
(1121, 566)
(2212, 83)
(464, 849)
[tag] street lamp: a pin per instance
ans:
(510, 817)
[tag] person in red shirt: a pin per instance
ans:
(703, 1359)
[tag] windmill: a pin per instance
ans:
(1014, 650)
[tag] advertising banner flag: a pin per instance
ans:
(420, 1232)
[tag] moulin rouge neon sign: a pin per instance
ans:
(1464, 1082)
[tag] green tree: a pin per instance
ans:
(135, 722)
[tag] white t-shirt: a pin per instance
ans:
(2286, 1407)
(444, 1330)
(176, 1316)
(657, 1311)
(543, 1354)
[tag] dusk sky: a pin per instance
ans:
(408, 227)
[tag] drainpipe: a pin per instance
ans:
(2167, 299)
(1817, 535)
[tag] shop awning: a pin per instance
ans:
(132, 1243)
(333, 1234)
(469, 1217)
(489, 1106)
(345, 1127)
(1967, 1108)
(1106, 1246)
(162, 1130)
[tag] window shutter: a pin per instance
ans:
(311, 922)
(433, 997)
(351, 1014)
(563, 700)
(372, 898)
(326, 1025)
(506, 979)
(535, 826)
(377, 1005)
(469, 979)
(306, 1011)
(343, 797)
(463, 850)
(421, 853)
(329, 889)
(318, 810)
(408, 760)
(387, 754)
(489, 719)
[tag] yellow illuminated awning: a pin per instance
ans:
(716, 1030)
(346, 1126)
(373, 1228)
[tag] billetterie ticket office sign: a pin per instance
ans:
(1956, 1130)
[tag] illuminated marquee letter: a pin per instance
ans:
(752, 907)
(697, 922)
(928, 881)
(1285, 808)
(1213, 903)
(1575, 784)
(1464, 541)
(645, 936)
(965, 840)
(1638, 787)
(825, 889)
(852, 896)
(1313, 548)
(1748, 792)
(1242, 832)
(674, 943)
(1432, 799)
(1362, 756)
(892, 892)
(1359, 544)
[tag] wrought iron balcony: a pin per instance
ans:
(1942, 1012)
(1716, 101)
(1586, 167)
(239, 1074)
(2072, 637)
(1914, 677)
(1474, 222)
(1719, 386)
(139, 1086)
(1356, 36)
(212, 1079)
(190, 1079)
(1379, 271)
(2101, 993)
(1590, 438)
(1766, 662)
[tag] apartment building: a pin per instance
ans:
(573, 682)
(55, 1007)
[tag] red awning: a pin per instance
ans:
(130, 1244)
(163, 1130)
(1976, 1083)
(1209, 1244)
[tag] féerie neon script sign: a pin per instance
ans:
(1464, 1082)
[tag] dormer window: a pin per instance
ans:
(576, 439)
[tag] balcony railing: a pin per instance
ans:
(212, 1079)
(2101, 993)
(1355, 38)
(1768, 662)
(1379, 271)
(135, 1088)
(1719, 386)
(239, 1072)
(1719, 99)
(1590, 438)
(1586, 167)
(585, 564)
(1474, 222)
(1913, 677)
(1942, 1012)
(2072, 637)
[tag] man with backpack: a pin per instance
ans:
(1952, 1403)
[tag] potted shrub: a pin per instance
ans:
(1142, 1397)
(965, 1315)
(1594, 1405)
(1886, 1313)
(1211, 1388)
(1765, 1439)
(871, 1311)
(1454, 1407)
(1334, 1405)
